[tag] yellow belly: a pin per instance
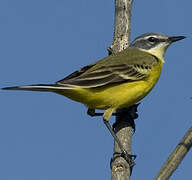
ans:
(116, 96)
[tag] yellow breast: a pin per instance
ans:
(116, 95)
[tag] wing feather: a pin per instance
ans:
(113, 69)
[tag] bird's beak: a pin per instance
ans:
(176, 38)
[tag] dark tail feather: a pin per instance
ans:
(36, 87)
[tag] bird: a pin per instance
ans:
(116, 81)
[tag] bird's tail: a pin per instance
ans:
(39, 87)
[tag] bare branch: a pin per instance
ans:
(122, 25)
(176, 157)
(120, 168)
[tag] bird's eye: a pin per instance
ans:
(152, 39)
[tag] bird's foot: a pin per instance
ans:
(128, 157)
(126, 115)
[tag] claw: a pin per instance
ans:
(128, 157)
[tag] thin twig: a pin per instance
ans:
(176, 157)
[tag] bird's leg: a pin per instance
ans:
(130, 112)
(91, 112)
(128, 157)
(106, 116)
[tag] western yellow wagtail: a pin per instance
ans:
(117, 81)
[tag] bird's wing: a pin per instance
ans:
(116, 68)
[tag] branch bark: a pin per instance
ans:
(120, 168)
(176, 157)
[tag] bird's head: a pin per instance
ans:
(155, 43)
